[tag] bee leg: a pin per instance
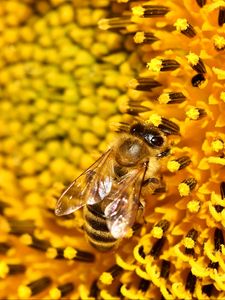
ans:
(154, 185)
(139, 221)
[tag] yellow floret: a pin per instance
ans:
(4, 269)
(55, 293)
(189, 243)
(173, 166)
(164, 98)
(155, 119)
(157, 232)
(24, 292)
(181, 24)
(193, 58)
(69, 253)
(155, 65)
(217, 145)
(106, 278)
(193, 206)
(192, 113)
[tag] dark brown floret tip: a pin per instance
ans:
(169, 65)
(190, 282)
(169, 127)
(199, 67)
(39, 285)
(20, 227)
(163, 224)
(115, 270)
(157, 247)
(151, 11)
(201, 3)
(66, 288)
(16, 268)
(4, 247)
(144, 285)
(144, 84)
(189, 32)
(197, 80)
(165, 269)
(218, 239)
(221, 16)
(183, 161)
(191, 182)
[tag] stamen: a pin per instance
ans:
(185, 28)
(196, 63)
(190, 282)
(169, 127)
(141, 252)
(144, 285)
(208, 289)
(74, 254)
(157, 247)
(142, 37)
(219, 42)
(20, 227)
(61, 290)
(143, 84)
(115, 270)
(150, 11)
(190, 239)
(217, 145)
(134, 108)
(94, 291)
(4, 247)
(162, 65)
(187, 186)
(33, 288)
(178, 164)
(38, 244)
(160, 228)
(165, 269)
(171, 98)
(115, 23)
(3, 205)
(213, 265)
(218, 239)
(16, 268)
(195, 113)
(108, 276)
(221, 16)
(219, 208)
(201, 3)
(197, 80)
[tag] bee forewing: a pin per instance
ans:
(121, 212)
(91, 187)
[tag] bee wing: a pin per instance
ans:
(91, 187)
(121, 212)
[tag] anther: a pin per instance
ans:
(171, 98)
(213, 265)
(142, 37)
(38, 244)
(150, 11)
(144, 285)
(196, 63)
(4, 247)
(61, 290)
(16, 268)
(134, 108)
(183, 26)
(33, 288)
(201, 3)
(218, 239)
(197, 80)
(190, 239)
(115, 23)
(221, 16)
(3, 205)
(190, 282)
(219, 42)
(74, 254)
(208, 289)
(94, 291)
(141, 252)
(143, 84)
(20, 227)
(178, 164)
(195, 113)
(169, 127)
(163, 224)
(165, 269)
(219, 208)
(186, 186)
(157, 247)
(115, 270)
(162, 65)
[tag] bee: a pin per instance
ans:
(110, 189)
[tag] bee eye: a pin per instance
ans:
(157, 141)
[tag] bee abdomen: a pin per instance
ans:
(97, 230)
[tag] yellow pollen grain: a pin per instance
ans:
(193, 206)
(173, 166)
(155, 119)
(192, 58)
(222, 96)
(24, 292)
(184, 189)
(138, 11)
(106, 278)
(217, 145)
(188, 243)
(155, 65)
(4, 269)
(55, 294)
(164, 98)
(69, 253)
(219, 41)
(26, 239)
(181, 24)
(139, 37)
(157, 232)
(51, 252)
(192, 113)
(216, 160)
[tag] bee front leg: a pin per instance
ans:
(153, 185)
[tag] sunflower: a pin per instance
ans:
(68, 71)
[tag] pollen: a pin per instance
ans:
(173, 166)
(4, 269)
(184, 189)
(193, 206)
(188, 243)
(155, 119)
(69, 253)
(155, 65)
(181, 24)
(193, 113)
(24, 292)
(157, 232)
(106, 278)
(55, 293)
(217, 145)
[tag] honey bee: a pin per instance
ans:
(110, 189)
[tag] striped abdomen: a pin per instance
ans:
(96, 228)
